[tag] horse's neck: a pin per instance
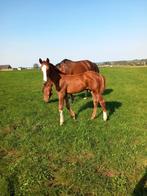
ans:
(54, 75)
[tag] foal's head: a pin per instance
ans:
(47, 86)
(44, 68)
(47, 91)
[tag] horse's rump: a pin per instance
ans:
(103, 84)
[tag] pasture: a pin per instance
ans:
(82, 157)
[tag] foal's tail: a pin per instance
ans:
(103, 84)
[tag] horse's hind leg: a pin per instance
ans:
(72, 98)
(61, 105)
(95, 103)
(103, 105)
(72, 113)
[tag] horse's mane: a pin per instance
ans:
(56, 68)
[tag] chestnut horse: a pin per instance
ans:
(75, 67)
(69, 67)
(69, 84)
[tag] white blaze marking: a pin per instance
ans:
(44, 73)
(61, 117)
(104, 116)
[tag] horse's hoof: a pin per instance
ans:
(61, 123)
(74, 117)
(92, 117)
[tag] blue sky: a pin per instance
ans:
(98, 30)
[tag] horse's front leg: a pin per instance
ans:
(72, 113)
(61, 105)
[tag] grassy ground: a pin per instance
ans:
(83, 157)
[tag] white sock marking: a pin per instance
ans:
(104, 116)
(61, 117)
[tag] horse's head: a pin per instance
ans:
(44, 67)
(47, 90)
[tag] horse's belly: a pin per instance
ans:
(72, 90)
(75, 87)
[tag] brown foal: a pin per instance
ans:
(70, 84)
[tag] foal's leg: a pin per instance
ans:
(95, 103)
(86, 94)
(61, 104)
(103, 105)
(72, 113)
(72, 98)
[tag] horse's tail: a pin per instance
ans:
(103, 84)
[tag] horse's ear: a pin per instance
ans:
(47, 60)
(40, 61)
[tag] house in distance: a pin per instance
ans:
(5, 68)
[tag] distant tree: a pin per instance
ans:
(36, 66)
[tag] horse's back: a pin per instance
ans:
(76, 67)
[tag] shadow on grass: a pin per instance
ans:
(84, 94)
(107, 91)
(11, 186)
(141, 186)
(81, 95)
(111, 106)
(53, 100)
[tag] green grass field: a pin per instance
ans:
(82, 157)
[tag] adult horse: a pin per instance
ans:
(69, 84)
(69, 67)
(75, 67)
